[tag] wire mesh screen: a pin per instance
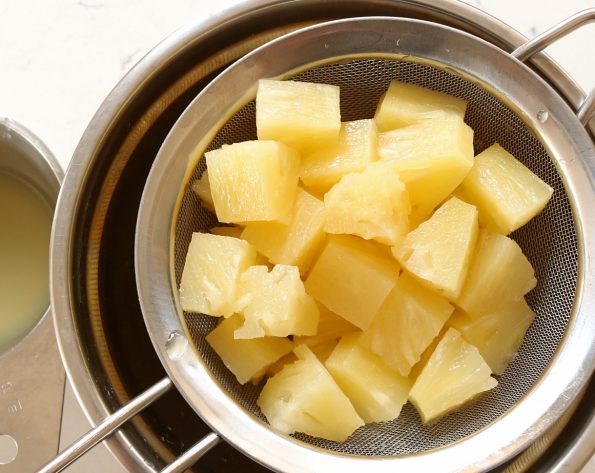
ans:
(549, 241)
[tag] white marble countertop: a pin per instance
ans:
(60, 58)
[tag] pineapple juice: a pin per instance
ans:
(25, 224)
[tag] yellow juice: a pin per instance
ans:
(25, 224)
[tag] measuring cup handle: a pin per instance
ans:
(587, 109)
(106, 427)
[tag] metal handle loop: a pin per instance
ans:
(587, 109)
(193, 454)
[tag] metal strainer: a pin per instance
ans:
(508, 104)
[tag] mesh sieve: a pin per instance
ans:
(507, 104)
(549, 241)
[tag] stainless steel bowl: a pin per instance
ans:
(104, 182)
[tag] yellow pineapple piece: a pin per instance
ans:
(202, 188)
(253, 180)
(405, 104)
(230, 231)
(498, 333)
(279, 364)
(454, 374)
(352, 278)
(356, 148)
(439, 250)
(432, 157)
(274, 303)
(499, 273)
(372, 204)
(295, 243)
(377, 392)
(506, 193)
(417, 368)
(211, 273)
(303, 115)
(303, 397)
(323, 350)
(410, 318)
(330, 327)
(246, 359)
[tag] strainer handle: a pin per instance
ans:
(191, 456)
(113, 422)
(108, 426)
(587, 109)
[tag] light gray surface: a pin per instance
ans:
(60, 58)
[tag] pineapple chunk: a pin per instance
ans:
(352, 278)
(330, 327)
(323, 168)
(253, 180)
(498, 333)
(211, 273)
(246, 359)
(303, 397)
(506, 193)
(438, 251)
(278, 365)
(303, 115)
(372, 204)
(499, 273)
(275, 303)
(454, 374)
(417, 368)
(410, 318)
(432, 157)
(323, 350)
(231, 231)
(405, 104)
(202, 188)
(376, 391)
(293, 244)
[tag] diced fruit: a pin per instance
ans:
(413, 189)
(202, 188)
(506, 193)
(303, 397)
(432, 157)
(405, 104)
(323, 350)
(295, 243)
(275, 303)
(356, 148)
(417, 368)
(499, 273)
(352, 277)
(439, 250)
(211, 273)
(246, 359)
(454, 374)
(410, 318)
(330, 327)
(372, 204)
(253, 180)
(280, 364)
(303, 115)
(231, 231)
(498, 333)
(376, 391)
